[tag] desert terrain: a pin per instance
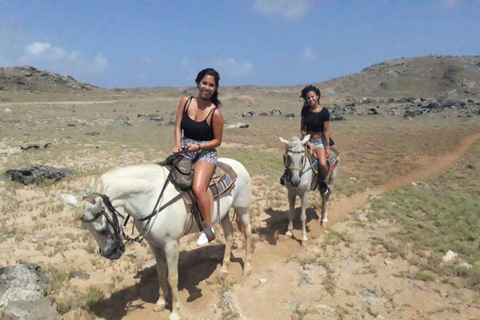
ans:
(407, 194)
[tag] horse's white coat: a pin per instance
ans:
(300, 182)
(135, 189)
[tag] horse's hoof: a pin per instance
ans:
(247, 270)
(304, 243)
(288, 234)
(223, 274)
(175, 316)
(159, 307)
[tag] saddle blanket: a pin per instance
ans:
(222, 181)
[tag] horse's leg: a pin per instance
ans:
(324, 214)
(243, 223)
(228, 232)
(171, 254)
(162, 278)
(291, 212)
(303, 218)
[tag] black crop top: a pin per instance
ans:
(196, 130)
(314, 120)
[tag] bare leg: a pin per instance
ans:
(162, 278)
(291, 212)
(171, 254)
(303, 218)
(322, 160)
(245, 226)
(228, 231)
(203, 173)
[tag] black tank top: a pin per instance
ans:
(196, 130)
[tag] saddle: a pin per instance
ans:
(332, 162)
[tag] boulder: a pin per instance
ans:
(23, 294)
(237, 125)
(290, 115)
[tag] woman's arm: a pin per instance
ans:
(177, 132)
(303, 130)
(217, 125)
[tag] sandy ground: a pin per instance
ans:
(352, 279)
(292, 282)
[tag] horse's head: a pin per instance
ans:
(104, 225)
(295, 160)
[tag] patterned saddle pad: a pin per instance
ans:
(332, 162)
(222, 181)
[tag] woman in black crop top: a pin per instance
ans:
(198, 132)
(315, 122)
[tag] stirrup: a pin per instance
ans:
(208, 231)
(282, 179)
(324, 189)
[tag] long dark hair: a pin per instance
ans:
(306, 90)
(216, 76)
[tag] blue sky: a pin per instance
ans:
(259, 42)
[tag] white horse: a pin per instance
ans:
(134, 190)
(299, 180)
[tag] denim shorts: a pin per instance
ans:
(318, 143)
(209, 155)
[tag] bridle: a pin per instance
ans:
(112, 221)
(291, 168)
(119, 234)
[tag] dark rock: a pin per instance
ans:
(391, 100)
(93, 133)
(337, 117)
(154, 117)
(263, 114)
(434, 104)
(290, 115)
(448, 103)
(36, 173)
(248, 114)
(372, 111)
(34, 146)
(275, 112)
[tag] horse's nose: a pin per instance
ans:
(295, 183)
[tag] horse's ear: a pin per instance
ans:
(285, 142)
(307, 137)
(71, 200)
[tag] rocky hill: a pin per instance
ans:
(30, 79)
(431, 76)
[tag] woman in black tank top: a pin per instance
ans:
(198, 132)
(316, 122)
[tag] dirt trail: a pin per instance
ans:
(199, 294)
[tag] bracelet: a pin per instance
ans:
(199, 147)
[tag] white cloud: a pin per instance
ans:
(37, 48)
(233, 69)
(309, 54)
(286, 8)
(61, 60)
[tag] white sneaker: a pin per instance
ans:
(202, 239)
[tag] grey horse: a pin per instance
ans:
(300, 179)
